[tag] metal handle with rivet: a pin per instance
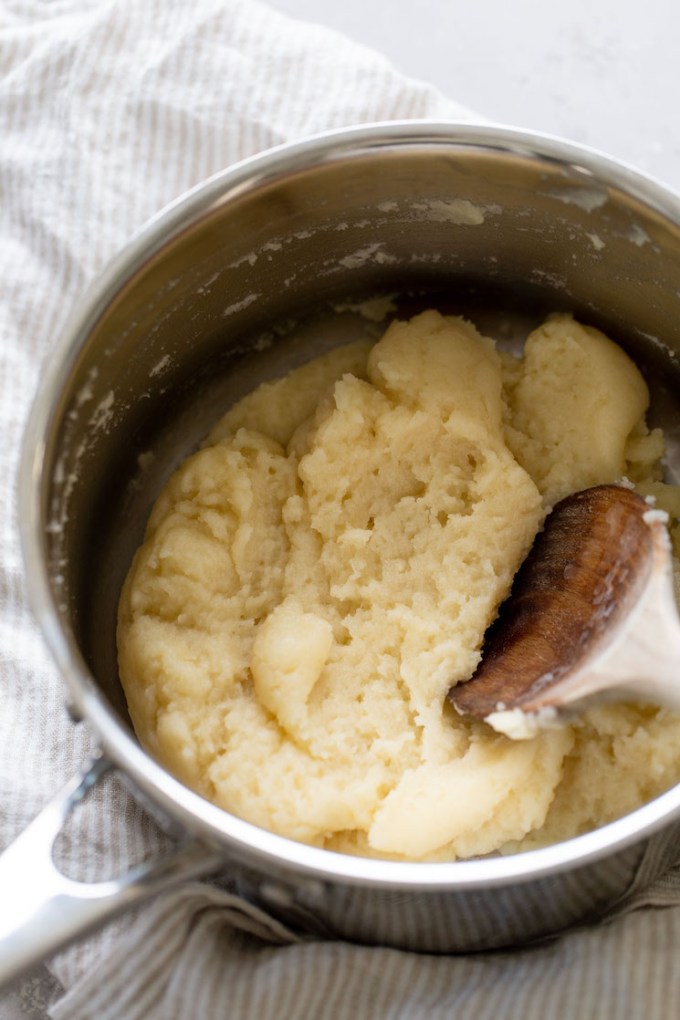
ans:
(41, 910)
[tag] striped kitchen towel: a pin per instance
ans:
(109, 109)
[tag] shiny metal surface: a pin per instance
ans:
(238, 282)
(42, 912)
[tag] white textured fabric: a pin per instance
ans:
(108, 110)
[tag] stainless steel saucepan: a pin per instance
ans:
(257, 270)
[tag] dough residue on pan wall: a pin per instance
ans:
(316, 577)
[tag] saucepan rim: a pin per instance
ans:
(240, 839)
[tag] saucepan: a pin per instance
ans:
(255, 271)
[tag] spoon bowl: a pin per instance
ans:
(591, 617)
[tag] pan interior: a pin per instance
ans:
(254, 284)
(164, 440)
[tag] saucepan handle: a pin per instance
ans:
(41, 910)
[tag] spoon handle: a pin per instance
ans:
(641, 662)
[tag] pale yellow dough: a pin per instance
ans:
(316, 577)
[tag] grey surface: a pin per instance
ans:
(602, 72)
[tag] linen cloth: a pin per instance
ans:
(109, 109)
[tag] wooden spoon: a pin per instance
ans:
(591, 617)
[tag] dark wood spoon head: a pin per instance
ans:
(583, 575)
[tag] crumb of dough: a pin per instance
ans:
(573, 407)
(316, 577)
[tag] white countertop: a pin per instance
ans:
(602, 72)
